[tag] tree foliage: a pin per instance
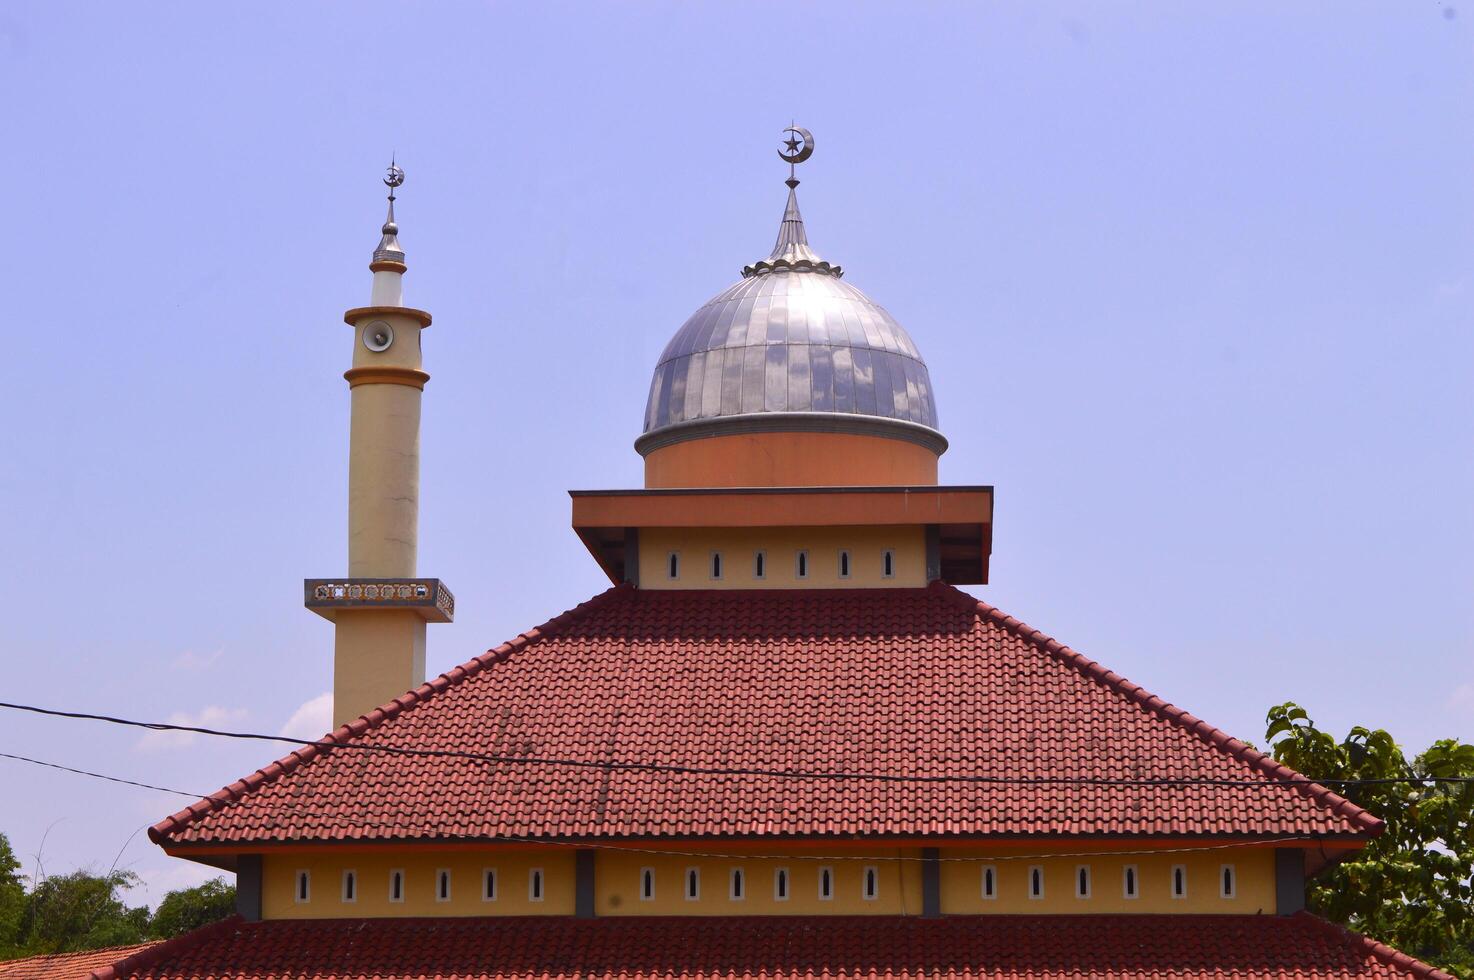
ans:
(185, 910)
(83, 910)
(1409, 887)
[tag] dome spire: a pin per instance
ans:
(791, 250)
(389, 250)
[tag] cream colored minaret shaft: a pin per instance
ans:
(381, 609)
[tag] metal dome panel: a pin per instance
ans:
(790, 341)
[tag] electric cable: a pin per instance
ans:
(615, 765)
(720, 856)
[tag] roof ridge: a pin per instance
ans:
(1234, 747)
(233, 792)
(1380, 950)
(157, 951)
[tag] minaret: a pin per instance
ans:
(381, 609)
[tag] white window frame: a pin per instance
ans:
(1228, 881)
(1131, 882)
(782, 884)
(1178, 869)
(692, 876)
(737, 885)
(673, 566)
(302, 886)
(870, 883)
(714, 569)
(888, 563)
(983, 881)
(442, 877)
(537, 885)
(846, 563)
(1089, 881)
(759, 564)
(393, 872)
(350, 877)
(826, 874)
(647, 874)
(1036, 869)
(801, 564)
(489, 876)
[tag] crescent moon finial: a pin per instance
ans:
(799, 146)
(393, 177)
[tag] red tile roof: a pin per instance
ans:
(1017, 947)
(898, 682)
(66, 966)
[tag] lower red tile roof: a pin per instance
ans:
(899, 682)
(67, 966)
(1020, 947)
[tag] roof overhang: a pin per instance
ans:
(608, 521)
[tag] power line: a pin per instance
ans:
(797, 774)
(738, 856)
(98, 775)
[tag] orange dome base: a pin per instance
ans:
(791, 459)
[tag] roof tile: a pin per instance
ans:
(897, 683)
(1016, 947)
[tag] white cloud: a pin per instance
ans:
(312, 720)
(211, 716)
(157, 881)
(1462, 698)
(194, 660)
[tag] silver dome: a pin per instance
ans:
(791, 346)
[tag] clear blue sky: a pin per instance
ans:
(1195, 285)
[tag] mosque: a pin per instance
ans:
(783, 743)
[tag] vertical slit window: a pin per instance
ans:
(1128, 881)
(716, 564)
(304, 886)
(872, 884)
(780, 885)
(801, 565)
(396, 886)
(1227, 886)
(535, 885)
(1082, 881)
(673, 565)
(1179, 881)
(826, 883)
(990, 882)
(488, 885)
(693, 884)
(442, 885)
(888, 564)
(760, 565)
(737, 893)
(350, 886)
(844, 564)
(1036, 882)
(647, 884)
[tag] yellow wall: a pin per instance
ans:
(617, 886)
(781, 545)
(279, 874)
(617, 883)
(378, 654)
(1255, 891)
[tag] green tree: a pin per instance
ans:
(1410, 887)
(12, 901)
(81, 910)
(188, 909)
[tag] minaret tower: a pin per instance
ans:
(381, 609)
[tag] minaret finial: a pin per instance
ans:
(800, 145)
(389, 250)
